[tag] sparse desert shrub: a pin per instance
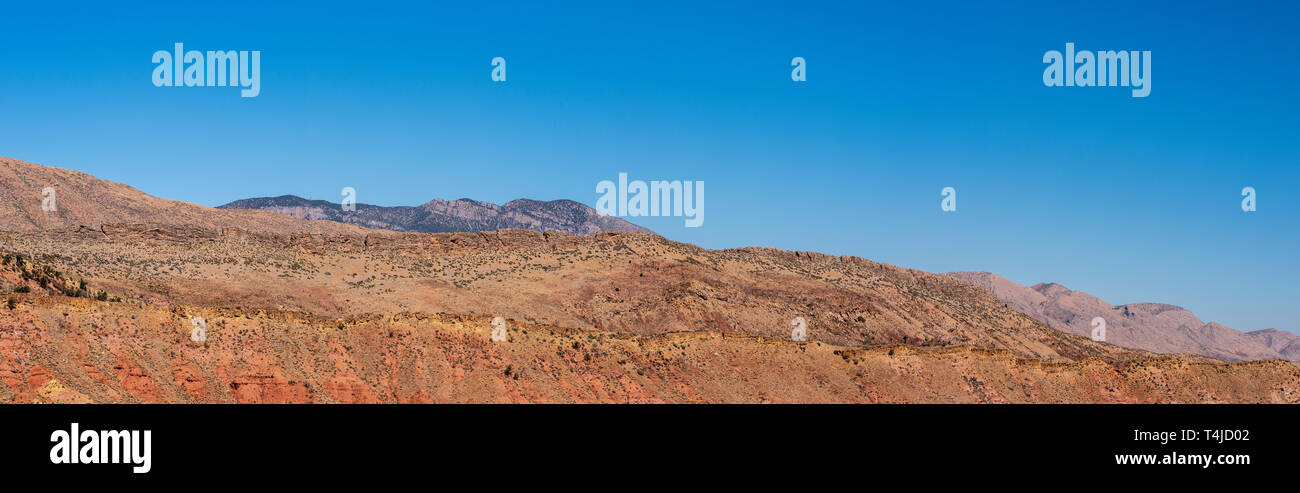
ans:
(22, 289)
(12, 303)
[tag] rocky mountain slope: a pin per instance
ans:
(1152, 327)
(633, 283)
(76, 350)
(83, 200)
(442, 216)
(1285, 343)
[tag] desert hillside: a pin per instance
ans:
(633, 283)
(78, 350)
(620, 317)
(1152, 327)
(316, 311)
(83, 200)
(1285, 343)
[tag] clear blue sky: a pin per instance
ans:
(1129, 199)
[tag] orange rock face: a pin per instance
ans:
(277, 357)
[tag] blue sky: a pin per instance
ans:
(1131, 199)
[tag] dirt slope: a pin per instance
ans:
(78, 350)
(83, 200)
(630, 283)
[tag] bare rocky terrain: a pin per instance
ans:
(299, 312)
(1152, 327)
(83, 200)
(450, 216)
(78, 350)
(1285, 343)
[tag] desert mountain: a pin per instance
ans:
(83, 200)
(632, 283)
(610, 317)
(1285, 343)
(1152, 327)
(209, 311)
(442, 216)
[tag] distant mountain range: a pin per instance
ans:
(1153, 327)
(444, 216)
